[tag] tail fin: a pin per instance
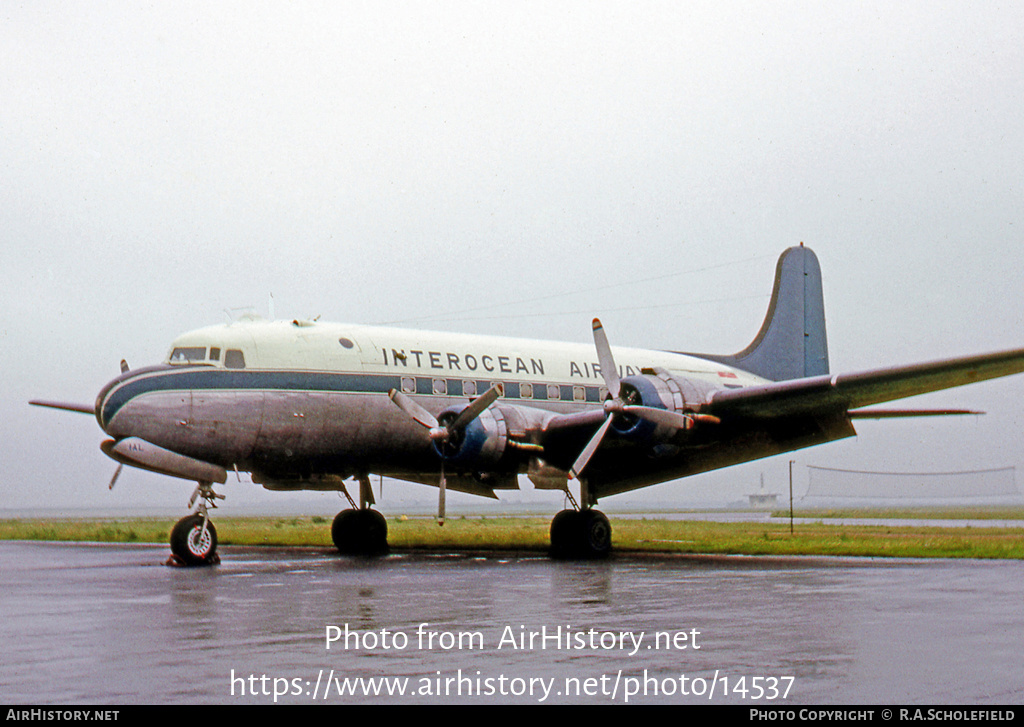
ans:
(791, 343)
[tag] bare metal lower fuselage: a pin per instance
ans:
(312, 429)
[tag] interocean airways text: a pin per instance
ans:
(458, 363)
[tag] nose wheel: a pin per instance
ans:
(194, 538)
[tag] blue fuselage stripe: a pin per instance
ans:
(211, 379)
(251, 380)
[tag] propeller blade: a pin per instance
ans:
(588, 451)
(476, 407)
(440, 497)
(83, 408)
(117, 473)
(413, 409)
(659, 416)
(604, 357)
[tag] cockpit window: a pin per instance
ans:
(234, 359)
(188, 354)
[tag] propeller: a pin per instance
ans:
(442, 435)
(619, 403)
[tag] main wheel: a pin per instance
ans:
(595, 534)
(565, 537)
(192, 544)
(579, 534)
(360, 532)
(374, 531)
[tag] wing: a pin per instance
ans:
(740, 425)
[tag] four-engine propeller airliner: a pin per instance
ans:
(305, 405)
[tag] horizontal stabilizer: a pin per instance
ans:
(901, 413)
(846, 392)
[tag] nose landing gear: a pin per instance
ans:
(194, 538)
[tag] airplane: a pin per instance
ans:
(307, 405)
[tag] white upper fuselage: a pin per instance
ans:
(334, 347)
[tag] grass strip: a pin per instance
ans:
(532, 534)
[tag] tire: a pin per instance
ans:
(595, 534)
(191, 545)
(360, 532)
(565, 534)
(580, 535)
(343, 532)
(375, 532)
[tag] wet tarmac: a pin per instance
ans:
(111, 624)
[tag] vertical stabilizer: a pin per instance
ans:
(791, 343)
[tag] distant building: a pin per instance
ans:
(762, 499)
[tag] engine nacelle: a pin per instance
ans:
(654, 388)
(480, 445)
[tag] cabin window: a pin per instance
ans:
(408, 385)
(188, 354)
(440, 386)
(554, 391)
(469, 388)
(234, 359)
(579, 393)
(215, 354)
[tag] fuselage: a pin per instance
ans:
(294, 400)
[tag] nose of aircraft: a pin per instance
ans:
(105, 403)
(102, 397)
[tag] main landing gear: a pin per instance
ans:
(581, 533)
(360, 530)
(194, 538)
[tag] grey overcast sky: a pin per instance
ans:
(509, 167)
